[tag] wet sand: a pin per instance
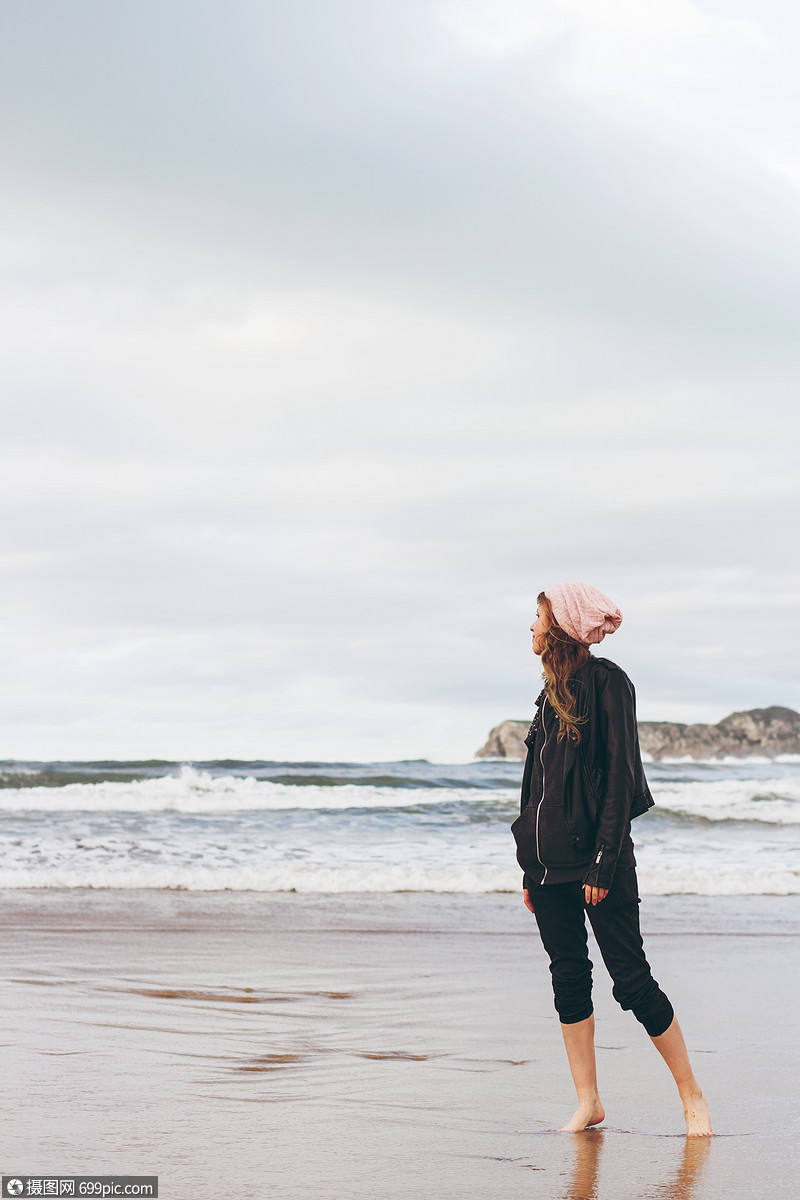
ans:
(398, 1046)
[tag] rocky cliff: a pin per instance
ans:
(767, 732)
(764, 731)
(506, 740)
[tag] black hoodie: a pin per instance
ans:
(575, 821)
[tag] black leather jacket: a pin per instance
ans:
(584, 821)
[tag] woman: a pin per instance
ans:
(583, 784)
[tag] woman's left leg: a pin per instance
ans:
(579, 1044)
(559, 913)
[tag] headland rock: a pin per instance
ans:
(766, 732)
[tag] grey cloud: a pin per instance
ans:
(329, 345)
(315, 143)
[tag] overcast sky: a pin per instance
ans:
(334, 332)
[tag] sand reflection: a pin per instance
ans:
(695, 1152)
(680, 1186)
(583, 1184)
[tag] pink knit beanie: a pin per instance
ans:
(583, 612)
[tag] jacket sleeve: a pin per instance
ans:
(616, 714)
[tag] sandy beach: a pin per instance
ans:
(403, 1046)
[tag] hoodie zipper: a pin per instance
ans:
(541, 802)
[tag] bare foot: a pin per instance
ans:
(588, 1114)
(698, 1122)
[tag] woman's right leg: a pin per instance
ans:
(672, 1048)
(616, 927)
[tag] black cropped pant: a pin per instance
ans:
(559, 909)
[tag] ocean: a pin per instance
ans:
(718, 828)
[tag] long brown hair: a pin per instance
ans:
(561, 658)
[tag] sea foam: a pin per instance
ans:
(195, 791)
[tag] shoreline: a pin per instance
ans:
(400, 1045)
(740, 912)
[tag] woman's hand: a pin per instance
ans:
(594, 894)
(527, 900)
